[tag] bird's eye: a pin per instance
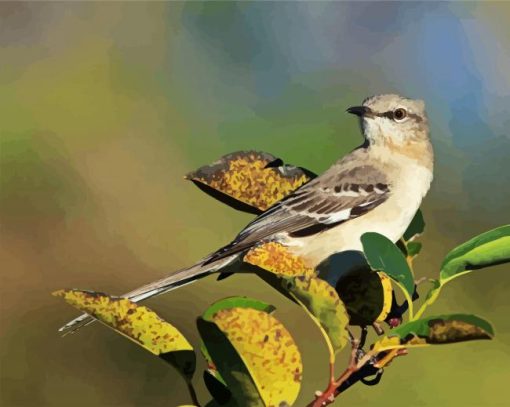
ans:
(399, 114)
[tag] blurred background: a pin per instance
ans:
(105, 106)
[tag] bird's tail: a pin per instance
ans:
(168, 283)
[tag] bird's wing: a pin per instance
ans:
(335, 197)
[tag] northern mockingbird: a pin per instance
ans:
(378, 187)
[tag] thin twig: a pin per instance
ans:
(352, 365)
(356, 363)
(328, 396)
(420, 281)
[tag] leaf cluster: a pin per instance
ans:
(252, 358)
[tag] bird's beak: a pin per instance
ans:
(358, 110)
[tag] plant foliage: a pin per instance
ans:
(252, 358)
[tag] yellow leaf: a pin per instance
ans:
(277, 259)
(134, 321)
(386, 343)
(322, 301)
(388, 296)
(267, 350)
(246, 177)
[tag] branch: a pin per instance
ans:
(328, 396)
(361, 365)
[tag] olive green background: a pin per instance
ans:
(105, 106)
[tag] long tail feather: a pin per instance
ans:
(168, 283)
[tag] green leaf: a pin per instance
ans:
(383, 255)
(254, 353)
(416, 227)
(431, 297)
(488, 249)
(236, 302)
(433, 292)
(413, 248)
(436, 330)
(210, 364)
(138, 323)
(322, 301)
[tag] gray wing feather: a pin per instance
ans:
(324, 202)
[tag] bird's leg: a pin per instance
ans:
(363, 337)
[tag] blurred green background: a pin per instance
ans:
(104, 107)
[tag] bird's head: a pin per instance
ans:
(392, 119)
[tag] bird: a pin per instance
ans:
(377, 187)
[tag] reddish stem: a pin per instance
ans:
(328, 396)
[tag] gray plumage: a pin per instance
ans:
(350, 188)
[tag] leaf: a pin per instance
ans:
(217, 387)
(387, 297)
(436, 330)
(277, 259)
(236, 302)
(488, 249)
(254, 353)
(211, 367)
(207, 357)
(433, 292)
(384, 255)
(416, 227)
(407, 245)
(214, 382)
(431, 297)
(229, 364)
(413, 248)
(322, 301)
(272, 261)
(250, 181)
(138, 323)
(366, 294)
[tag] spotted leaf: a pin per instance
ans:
(436, 330)
(249, 180)
(277, 259)
(138, 323)
(254, 353)
(323, 303)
